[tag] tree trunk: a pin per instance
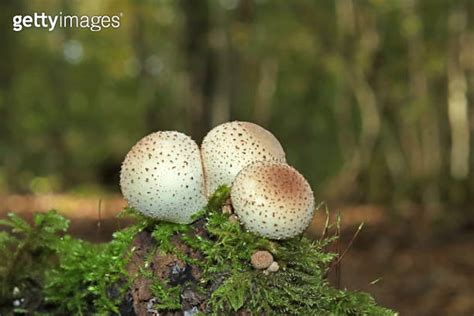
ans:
(199, 63)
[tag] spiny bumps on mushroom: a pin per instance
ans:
(162, 177)
(231, 146)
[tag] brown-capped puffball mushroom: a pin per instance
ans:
(231, 146)
(261, 259)
(272, 199)
(162, 177)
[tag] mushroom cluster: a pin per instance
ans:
(166, 176)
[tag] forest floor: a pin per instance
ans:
(401, 263)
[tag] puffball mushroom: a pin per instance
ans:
(162, 177)
(261, 259)
(231, 146)
(274, 267)
(272, 199)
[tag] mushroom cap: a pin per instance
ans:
(231, 146)
(162, 177)
(272, 199)
(261, 259)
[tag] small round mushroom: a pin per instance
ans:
(231, 146)
(162, 177)
(274, 267)
(272, 199)
(261, 259)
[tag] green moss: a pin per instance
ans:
(167, 298)
(89, 277)
(84, 278)
(298, 288)
(25, 253)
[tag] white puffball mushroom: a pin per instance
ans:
(162, 177)
(272, 200)
(274, 267)
(231, 146)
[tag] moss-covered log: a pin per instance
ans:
(208, 267)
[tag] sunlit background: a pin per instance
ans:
(372, 101)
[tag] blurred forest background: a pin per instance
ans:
(372, 100)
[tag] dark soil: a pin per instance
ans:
(166, 267)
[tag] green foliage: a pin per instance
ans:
(163, 233)
(298, 288)
(232, 292)
(25, 252)
(326, 109)
(89, 277)
(80, 278)
(72, 275)
(167, 298)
